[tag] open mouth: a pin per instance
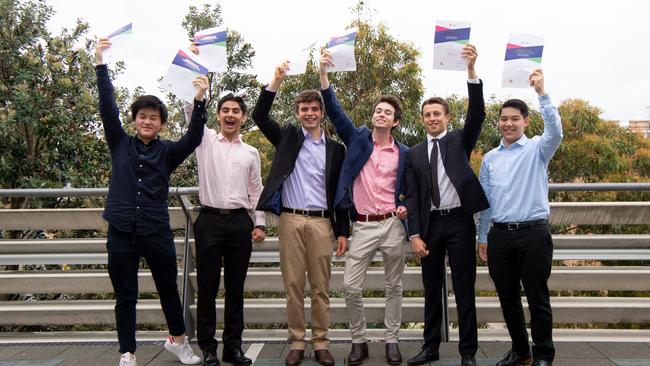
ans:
(230, 123)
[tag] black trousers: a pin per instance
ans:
(454, 235)
(221, 240)
(124, 252)
(524, 256)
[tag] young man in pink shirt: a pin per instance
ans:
(230, 185)
(371, 186)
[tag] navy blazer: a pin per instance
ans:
(358, 141)
(455, 150)
(288, 141)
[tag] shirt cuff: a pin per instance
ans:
(260, 218)
(544, 100)
(474, 81)
(414, 236)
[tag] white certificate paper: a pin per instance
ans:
(298, 62)
(341, 49)
(449, 40)
(523, 55)
(178, 79)
(121, 44)
(212, 48)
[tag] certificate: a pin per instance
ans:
(523, 55)
(121, 44)
(298, 62)
(341, 49)
(212, 48)
(178, 79)
(449, 40)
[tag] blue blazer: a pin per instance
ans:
(358, 141)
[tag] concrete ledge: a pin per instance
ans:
(270, 280)
(265, 311)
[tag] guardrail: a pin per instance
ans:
(92, 251)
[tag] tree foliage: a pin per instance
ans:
(49, 129)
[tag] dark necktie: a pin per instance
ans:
(433, 163)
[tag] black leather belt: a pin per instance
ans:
(313, 213)
(513, 226)
(223, 211)
(447, 211)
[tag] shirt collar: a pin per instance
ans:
(308, 137)
(391, 142)
(443, 134)
(153, 141)
(523, 140)
(221, 137)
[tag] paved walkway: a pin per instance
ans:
(272, 354)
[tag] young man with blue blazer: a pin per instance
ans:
(371, 187)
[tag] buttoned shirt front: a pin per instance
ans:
(373, 191)
(305, 187)
(515, 178)
(448, 196)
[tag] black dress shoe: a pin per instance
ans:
(324, 357)
(468, 360)
(358, 353)
(542, 363)
(393, 355)
(236, 357)
(423, 357)
(513, 359)
(210, 359)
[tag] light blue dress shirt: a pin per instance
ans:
(305, 188)
(515, 178)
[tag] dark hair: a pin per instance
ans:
(149, 101)
(231, 97)
(517, 104)
(435, 100)
(307, 96)
(393, 101)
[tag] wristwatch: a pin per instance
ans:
(261, 227)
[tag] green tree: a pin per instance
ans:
(49, 128)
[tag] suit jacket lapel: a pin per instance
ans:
(442, 143)
(425, 162)
(329, 153)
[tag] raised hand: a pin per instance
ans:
(103, 44)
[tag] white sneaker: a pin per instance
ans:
(182, 351)
(128, 359)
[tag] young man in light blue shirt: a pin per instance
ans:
(514, 176)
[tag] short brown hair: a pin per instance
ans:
(307, 96)
(435, 100)
(393, 101)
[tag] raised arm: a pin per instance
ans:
(182, 148)
(108, 111)
(342, 123)
(552, 136)
(476, 107)
(261, 113)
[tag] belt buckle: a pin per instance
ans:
(513, 226)
(305, 213)
(445, 212)
(223, 211)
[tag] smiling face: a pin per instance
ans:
(383, 117)
(231, 118)
(435, 118)
(512, 124)
(309, 114)
(148, 124)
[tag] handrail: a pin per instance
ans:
(176, 191)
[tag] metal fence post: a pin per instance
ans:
(188, 265)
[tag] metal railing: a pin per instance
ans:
(182, 194)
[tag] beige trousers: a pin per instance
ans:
(390, 238)
(306, 245)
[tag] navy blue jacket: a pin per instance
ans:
(358, 141)
(139, 185)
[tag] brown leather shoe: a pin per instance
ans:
(294, 357)
(324, 357)
(358, 353)
(393, 355)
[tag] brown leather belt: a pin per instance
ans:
(366, 218)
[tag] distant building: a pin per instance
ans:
(613, 122)
(640, 126)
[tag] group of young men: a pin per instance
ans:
(426, 195)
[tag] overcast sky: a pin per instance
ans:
(598, 51)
